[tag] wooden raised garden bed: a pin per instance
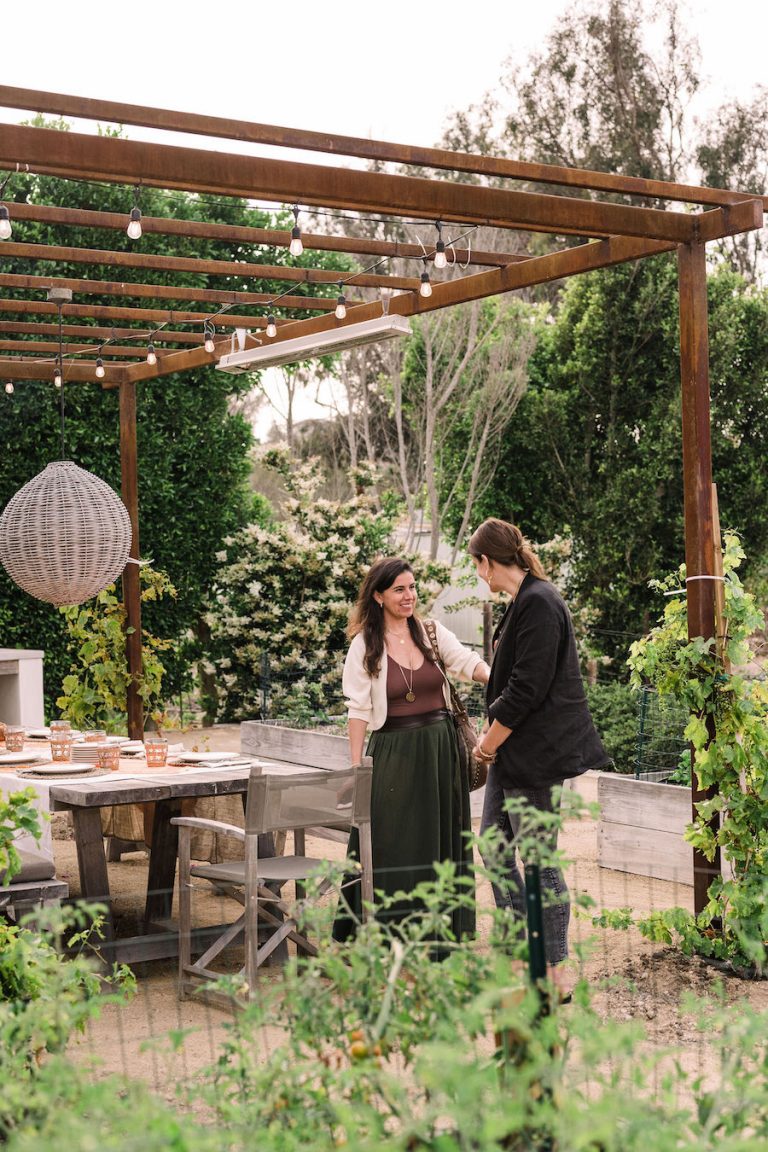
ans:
(641, 828)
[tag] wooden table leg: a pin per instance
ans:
(92, 862)
(162, 861)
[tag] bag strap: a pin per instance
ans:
(456, 704)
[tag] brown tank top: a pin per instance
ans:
(426, 686)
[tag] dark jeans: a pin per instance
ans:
(510, 892)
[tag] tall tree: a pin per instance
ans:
(595, 446)
(595, 97)
(733, 153)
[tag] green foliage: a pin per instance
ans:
(595, 444)
(194, 447)
(45, 997)
(283, 593)
(17, 814)
(614, 710)
(94, 691)
(373, 1044)
(728, 731)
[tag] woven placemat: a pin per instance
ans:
(95, 771)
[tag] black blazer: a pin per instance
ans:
(536, 689)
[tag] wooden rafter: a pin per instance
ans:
(439, 159)
(156, 291)
(244, 270)
(115, 160)
(266, 237)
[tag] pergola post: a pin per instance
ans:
(697, 492)
(131, 586)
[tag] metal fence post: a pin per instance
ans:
(537, 962)
(265, 685)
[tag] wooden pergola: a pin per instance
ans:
(605, 214)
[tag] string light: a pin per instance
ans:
(9, 387)
(425, 288)
(341, 303)
(209, 332)
(386, 295)
(6, 228)
(100, 369)
(271, 327)
(151, 355)
(440, 260)
(134, 224)
(296, 247)
(57, 376)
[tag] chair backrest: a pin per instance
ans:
(310, 799)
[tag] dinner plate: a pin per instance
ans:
(48, 768)
(21, 758)
(38, 733)
(205, 757)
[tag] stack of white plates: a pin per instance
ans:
(85, 753)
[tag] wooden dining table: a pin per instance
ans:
(166, 789)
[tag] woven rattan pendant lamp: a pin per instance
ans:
(65, 535)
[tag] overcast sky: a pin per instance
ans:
(392, 70)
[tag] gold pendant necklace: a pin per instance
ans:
(402, 641)
(410, 694)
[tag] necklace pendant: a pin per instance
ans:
(410, 697)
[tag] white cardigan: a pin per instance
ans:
(366, 696)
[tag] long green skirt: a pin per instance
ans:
(419, 815)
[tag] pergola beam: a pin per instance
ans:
(196, 170)
(245, 270)
(72, 331)
(339, 145)
(152, 291)
(72, 348)
(537, 270)
(241, 234)
(20, 368)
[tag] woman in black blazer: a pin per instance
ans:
(540, 731)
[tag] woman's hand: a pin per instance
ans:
(481, 755)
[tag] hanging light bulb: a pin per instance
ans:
(6, 228)
(271, 327)
(57, 376)
(9, 387)
(100, 369)
(425, 288)
(134, 225)
(151, 357)
(296, 247)
(341, 303)
(440, 260)
(209, 332)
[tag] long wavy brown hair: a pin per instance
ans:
(504, 543)
(367, 616)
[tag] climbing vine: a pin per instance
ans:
(715, 690)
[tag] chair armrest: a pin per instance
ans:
(209, 825)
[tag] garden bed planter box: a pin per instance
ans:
(641, 828)
(294, 745)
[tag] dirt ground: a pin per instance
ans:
(632, 979)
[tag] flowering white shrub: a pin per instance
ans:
(283, 593)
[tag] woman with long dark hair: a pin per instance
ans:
(394, 687)
(540, 730)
